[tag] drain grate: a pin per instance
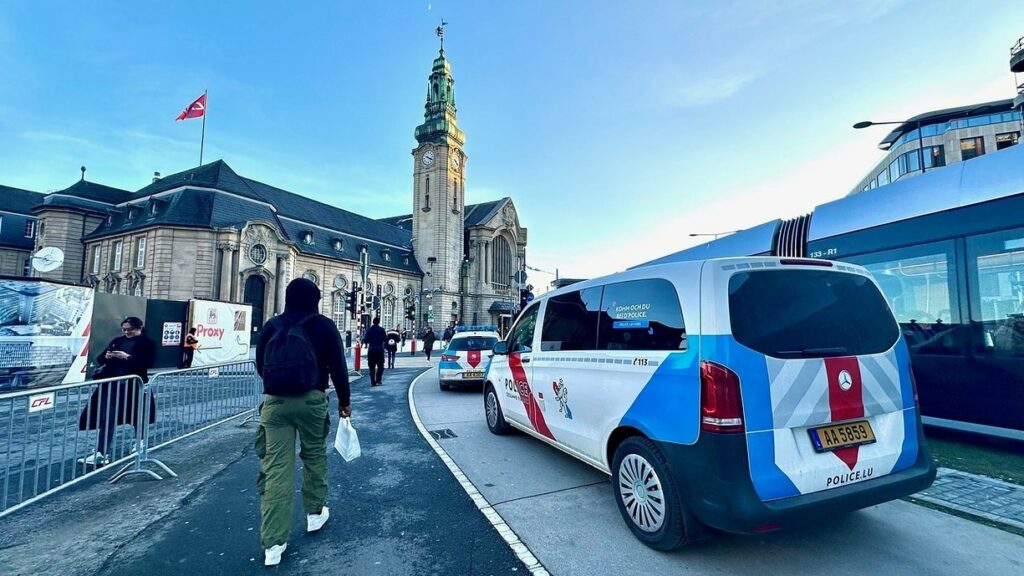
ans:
(443, 434)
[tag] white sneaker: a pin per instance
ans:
(315, 522)
(97, 459)
(272, 555)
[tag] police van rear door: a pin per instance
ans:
(823, 372)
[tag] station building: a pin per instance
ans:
(211, 233)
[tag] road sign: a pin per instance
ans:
(376, 302)
(529, 297)
(520, 276)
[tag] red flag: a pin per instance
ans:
(195, 109)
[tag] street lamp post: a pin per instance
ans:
(920, 137)
(715, 234)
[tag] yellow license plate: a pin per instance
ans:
(836, 436)
(472, 374)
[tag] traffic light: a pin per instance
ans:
(350, 301)
(410, 312)
(522, 298)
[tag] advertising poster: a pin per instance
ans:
(44, 331)
(223, 330)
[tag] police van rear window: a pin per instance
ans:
(473, 343)
(809, 314)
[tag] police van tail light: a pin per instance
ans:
(720, 407)
(449, 357)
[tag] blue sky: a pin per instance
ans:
(618, 128)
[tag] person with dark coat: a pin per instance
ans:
(297, 352)
(191, 345)
(115, 403)
(394, 336)
(428, 341)
(376, 339)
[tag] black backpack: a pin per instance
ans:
(290, 367)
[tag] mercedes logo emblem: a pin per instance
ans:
(845, 381)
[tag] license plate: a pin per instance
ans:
(828, 438)
(472, 374)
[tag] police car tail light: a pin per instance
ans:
(449, 357)
(720, 407)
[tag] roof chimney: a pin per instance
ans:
(156, 176)
(83, 172)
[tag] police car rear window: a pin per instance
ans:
(473, 343)
(809, 314)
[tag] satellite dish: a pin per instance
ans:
(48, 259)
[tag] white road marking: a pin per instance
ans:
(511, 538)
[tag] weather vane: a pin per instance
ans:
(440, 33)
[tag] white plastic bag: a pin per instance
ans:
(346, 442)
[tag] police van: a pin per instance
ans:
(464, 358)
(742, 394)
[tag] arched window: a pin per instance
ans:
(455, 198)
(338, 312)
(503, 262)
(388, 318)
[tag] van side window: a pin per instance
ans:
(641, 315)
(521, 338)
(570, 321)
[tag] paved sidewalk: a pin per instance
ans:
(981, 496)
(394, 510)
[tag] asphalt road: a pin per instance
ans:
(564, 512)
(395, 510)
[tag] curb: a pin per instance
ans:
(942, 503)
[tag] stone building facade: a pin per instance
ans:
(210, 233)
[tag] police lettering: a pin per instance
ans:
(857, 476)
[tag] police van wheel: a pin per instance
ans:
(647, 495)
(492, 411)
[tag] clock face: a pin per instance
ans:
(48, 259)
(456, 160)
(428, 158)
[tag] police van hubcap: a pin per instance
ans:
(492, 410)
(640, 490)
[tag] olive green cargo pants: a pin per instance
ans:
(280, 418)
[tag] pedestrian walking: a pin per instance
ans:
(115, 403)
(376, 340)
(449, 331)
(428, 341)
(191, 345)
(392, 345)
(296, 354)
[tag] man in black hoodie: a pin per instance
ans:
(296, 354)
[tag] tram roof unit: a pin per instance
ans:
(982, 179)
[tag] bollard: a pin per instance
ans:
(413, 352)
(357, 354)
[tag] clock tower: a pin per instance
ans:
(439, 202)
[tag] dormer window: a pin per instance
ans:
(154, 207)
(337, 244)
(386, 254)
(307, 237)
(130, 214)
(405, 260)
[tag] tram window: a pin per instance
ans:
(996, 264)
(919, 284)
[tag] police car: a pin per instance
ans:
(464, 361)
(741, 394)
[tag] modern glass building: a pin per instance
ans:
(942, 137)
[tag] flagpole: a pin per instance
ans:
(202, 140)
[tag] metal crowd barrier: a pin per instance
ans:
(42, 448)
(188, 402)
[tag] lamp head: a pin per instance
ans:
(863, 124)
